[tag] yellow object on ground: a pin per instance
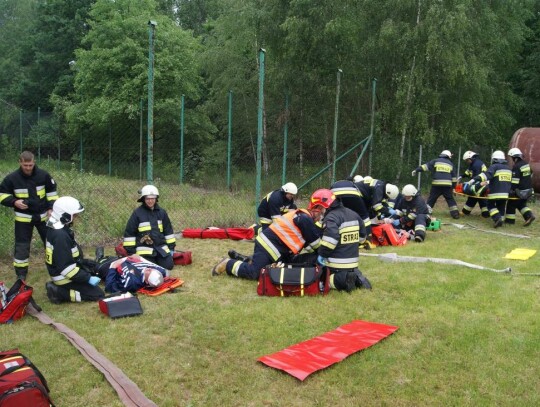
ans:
(520, 254)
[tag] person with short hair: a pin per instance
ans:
(31, 192)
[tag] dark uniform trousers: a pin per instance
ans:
(23, 240)
(446, 191)
(519, 204)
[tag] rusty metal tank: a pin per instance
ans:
(527, 139)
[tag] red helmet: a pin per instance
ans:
(322, 197)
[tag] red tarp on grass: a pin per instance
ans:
(304, 358)
(219, 233)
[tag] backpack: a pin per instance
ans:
(21, 382)
(17, 299)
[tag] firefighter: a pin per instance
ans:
(343, 232)
(133, 273)
(281, 241)
(351, 197)
(443, 181)
(412, 213)
(521, 189)
(378, 196)
(71, 281)
(31, 192)
(149, 232)
(276, 204)
(475, 166)
(499, 178)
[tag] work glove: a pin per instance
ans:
(94, 280)
(413, 173)
(321, 260)
(395, 222)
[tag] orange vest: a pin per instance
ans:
(288, 232)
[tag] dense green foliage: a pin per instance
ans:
(461, 71)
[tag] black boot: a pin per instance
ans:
(52, 292)
(21, 274)
(237, 256)
(361, 281)
(100, 253)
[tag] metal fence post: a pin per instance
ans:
(182, 99)
(371, 133)
(150, 157)
(39, 134)
(285, 137)
(336, 114)
(259, 128)
(229, 139)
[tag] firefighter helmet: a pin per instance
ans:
(392, 191)
(446, 153)
(469, 155)
(368, 179)
(290, 188)
(322, 197)
(148, 191)
(63, 210)
(409, 190)
(358, 178)
(515, 152)
(498, 156)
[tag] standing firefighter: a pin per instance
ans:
(343, 232)
(521, 189)
(71, 281)
(499, 178)
(31, 192)
(277, 203)
(149, 232)
(475, 167)
(443, 181)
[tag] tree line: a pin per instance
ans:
(452, 72)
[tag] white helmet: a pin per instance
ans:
(469, 155)
(149, 191)
(368, 179)
(290, 188)
(409, 190)
(446, 153)
(515, 152)
(63, 210)
(358, 178)
(498, 155)
(392, 191)
(155, 278)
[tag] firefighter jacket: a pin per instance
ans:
(274, 205)
(521, 175)
(500, 180)
(442, 172)
(374, 195)
(476, 167)
(127, 274)
(63, 257)
(345, 188)
(38, 190)
(407, 211)
(343, 232)
(149, 232)
(293, 232)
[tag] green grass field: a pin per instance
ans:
(466, 336)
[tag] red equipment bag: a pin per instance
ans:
(219, 233)
(181, 258)
(17, 299)
(386, 235)
(21, 382)
(293, 281)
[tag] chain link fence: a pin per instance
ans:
(104, 167)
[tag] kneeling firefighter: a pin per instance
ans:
(343, 232)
